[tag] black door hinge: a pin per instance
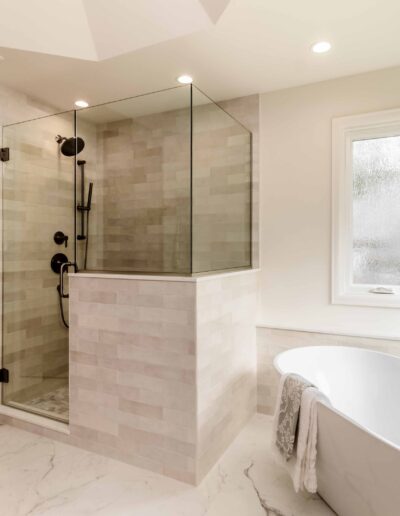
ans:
(5, 154)
(4, 376)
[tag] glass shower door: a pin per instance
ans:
(37, 202)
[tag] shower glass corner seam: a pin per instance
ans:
(75, 201)
(191, 179)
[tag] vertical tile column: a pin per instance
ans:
(226, 362)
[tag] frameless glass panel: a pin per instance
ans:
(221, 171)
(137, 155)
(376, 211)
(38, 201)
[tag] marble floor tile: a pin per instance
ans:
(39, 476)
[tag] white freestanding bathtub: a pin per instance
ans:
(358, 466)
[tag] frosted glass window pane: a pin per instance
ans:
(376, 211)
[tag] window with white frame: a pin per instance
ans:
(366, 209)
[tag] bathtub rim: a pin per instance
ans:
(329, 406)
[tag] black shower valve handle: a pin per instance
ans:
(60, 238)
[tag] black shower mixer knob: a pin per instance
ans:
(60, 238)
(56, 262)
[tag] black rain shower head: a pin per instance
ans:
(70, 146)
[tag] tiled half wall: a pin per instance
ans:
(162, 370)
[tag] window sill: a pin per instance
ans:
(367, 299)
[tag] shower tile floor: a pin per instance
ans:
(39, 476)
(55, 402)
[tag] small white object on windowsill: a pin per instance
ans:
(381, 290)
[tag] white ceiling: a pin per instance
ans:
(101, 29)
(251, 46)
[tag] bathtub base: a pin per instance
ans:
(358, 474)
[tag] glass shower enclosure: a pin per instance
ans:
(154, 184)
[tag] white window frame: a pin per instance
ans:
(344, 131)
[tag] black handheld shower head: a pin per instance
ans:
(89, 200)
(70, 146)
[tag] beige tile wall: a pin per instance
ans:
(93, 173)
(162, 373)
(141, 169)
(246, 110)
(271, 342)
(221, 190)
(143, 176)
(132, 371)
(226, 362)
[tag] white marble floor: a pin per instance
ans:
(39, 476)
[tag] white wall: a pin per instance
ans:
(295, 146)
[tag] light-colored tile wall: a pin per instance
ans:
(132, 372)
(162, 372)
(221, 190)
(93, 173)
(226, 362)
(143, 178)
(141, 168)
(271, 342)
(247, 111)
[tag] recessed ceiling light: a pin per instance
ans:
(81, 103)
(185, 79)
(321, 47)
